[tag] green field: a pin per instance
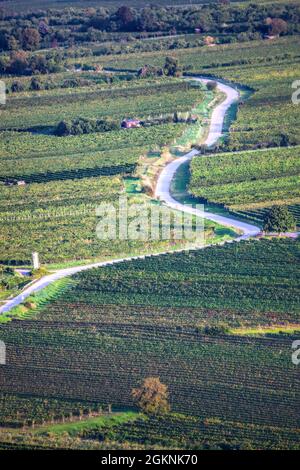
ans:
(215, 325)
(136, 100)
(269, 68)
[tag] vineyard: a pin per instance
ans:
(215, 325)
(267, 68)
(222, 56)
(116, 103)
(115, 325)
(268, 118)
(64, 179)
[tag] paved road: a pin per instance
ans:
(163, 193)
(48, 279)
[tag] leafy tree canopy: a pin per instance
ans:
(279, 219)
(152, 396)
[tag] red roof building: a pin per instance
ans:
(131, 123)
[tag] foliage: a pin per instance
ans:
(53, 27)
(152, 396)
(30, 39)
(108, 331)
(84, 126)
(211, 85)
(279, 219)
(258, 214)
(10, 280)
(171, 67)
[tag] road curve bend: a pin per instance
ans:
(163, 186)
(162, 193)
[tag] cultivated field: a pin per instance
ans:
(215, 325)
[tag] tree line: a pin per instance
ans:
(50, 28)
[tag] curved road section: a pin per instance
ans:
(163, 187)
(163, 193)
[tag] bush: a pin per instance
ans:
(211, 86)
(171, 67)
(75, 82)
(214, 330)
(17, 87)
(35, 84)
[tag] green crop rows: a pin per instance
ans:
(183, 317)
(107, 331)
(268, 68)
(133, 101)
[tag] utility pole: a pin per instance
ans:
(35, 260)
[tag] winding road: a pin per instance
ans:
(163, 194)
(163, 186)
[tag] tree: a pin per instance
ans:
(4, 64)
(63, 128)
(43, 28)
(126, 16)
(30, 39)
(12, 43)
(211, 86)
(81, 126)
(8, 42)
(39, 64)
(279, 219)
(17, 87)
(19, 63)
(152, 396)
(171, 67)
(150, 71)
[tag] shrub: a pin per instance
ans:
(35, 84)
(81, 126)
(279, 219)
